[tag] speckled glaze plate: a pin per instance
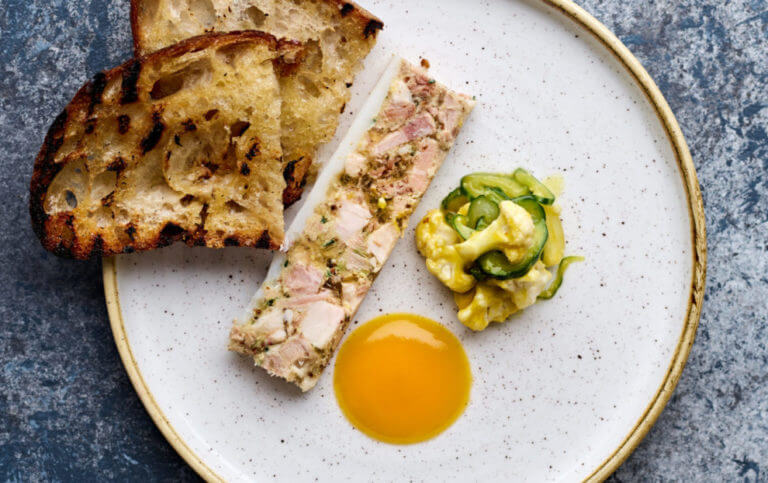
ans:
(563, 391)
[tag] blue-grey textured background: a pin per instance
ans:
(67, 409)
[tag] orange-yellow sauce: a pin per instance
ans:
(402, 378)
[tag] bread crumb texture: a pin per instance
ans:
(338, 36)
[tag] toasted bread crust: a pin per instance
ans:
(57, 232)
(360, 26)
(370, 25)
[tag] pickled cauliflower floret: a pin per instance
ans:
(511, 232)
(496, 300)
(437, 242)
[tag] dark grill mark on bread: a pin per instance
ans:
(170, 233)
(211, 167)
(288, 172)
(189, 125)
(151, 140)
(96, 90)
(117, 165)
(346, 9)
(55, 137)
(253, 152)
(130, 231)
(244, 169)
(98, 246)
(90, 125)
(265, 241)
(44, 173)
(372, 28)
(203, 215)
(108, 200)
(123, 123)
(211, 114)
(130, 92)
(231, 242)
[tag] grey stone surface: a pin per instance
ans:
(67, 409)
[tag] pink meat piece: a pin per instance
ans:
(418, 127)
(421, 86)
(293, 352)
(320, 322)
(382, 240)
(390, 141)
(302, 279)
(398, 112)
(351, 218)
(423, 165)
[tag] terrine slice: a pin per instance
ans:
(350, 223)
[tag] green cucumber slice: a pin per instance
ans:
(460, 224)
(455, 200)
(479, 184)
(555, 285)
(482, 211)
(542, 193)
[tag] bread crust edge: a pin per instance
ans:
(370, 24)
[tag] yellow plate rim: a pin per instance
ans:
(679, 358)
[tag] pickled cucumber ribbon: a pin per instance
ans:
(474, 205)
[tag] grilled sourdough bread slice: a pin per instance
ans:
(183, 144)
(338, 36)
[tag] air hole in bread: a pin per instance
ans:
(257, 16)
(230, 53)
(71, 199)
(238, 128)
(235, 207)
(186, 200)
(184, 78)
(69, 187)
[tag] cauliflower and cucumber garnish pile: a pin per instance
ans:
(491, 243)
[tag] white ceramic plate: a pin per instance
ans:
(563, 391)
